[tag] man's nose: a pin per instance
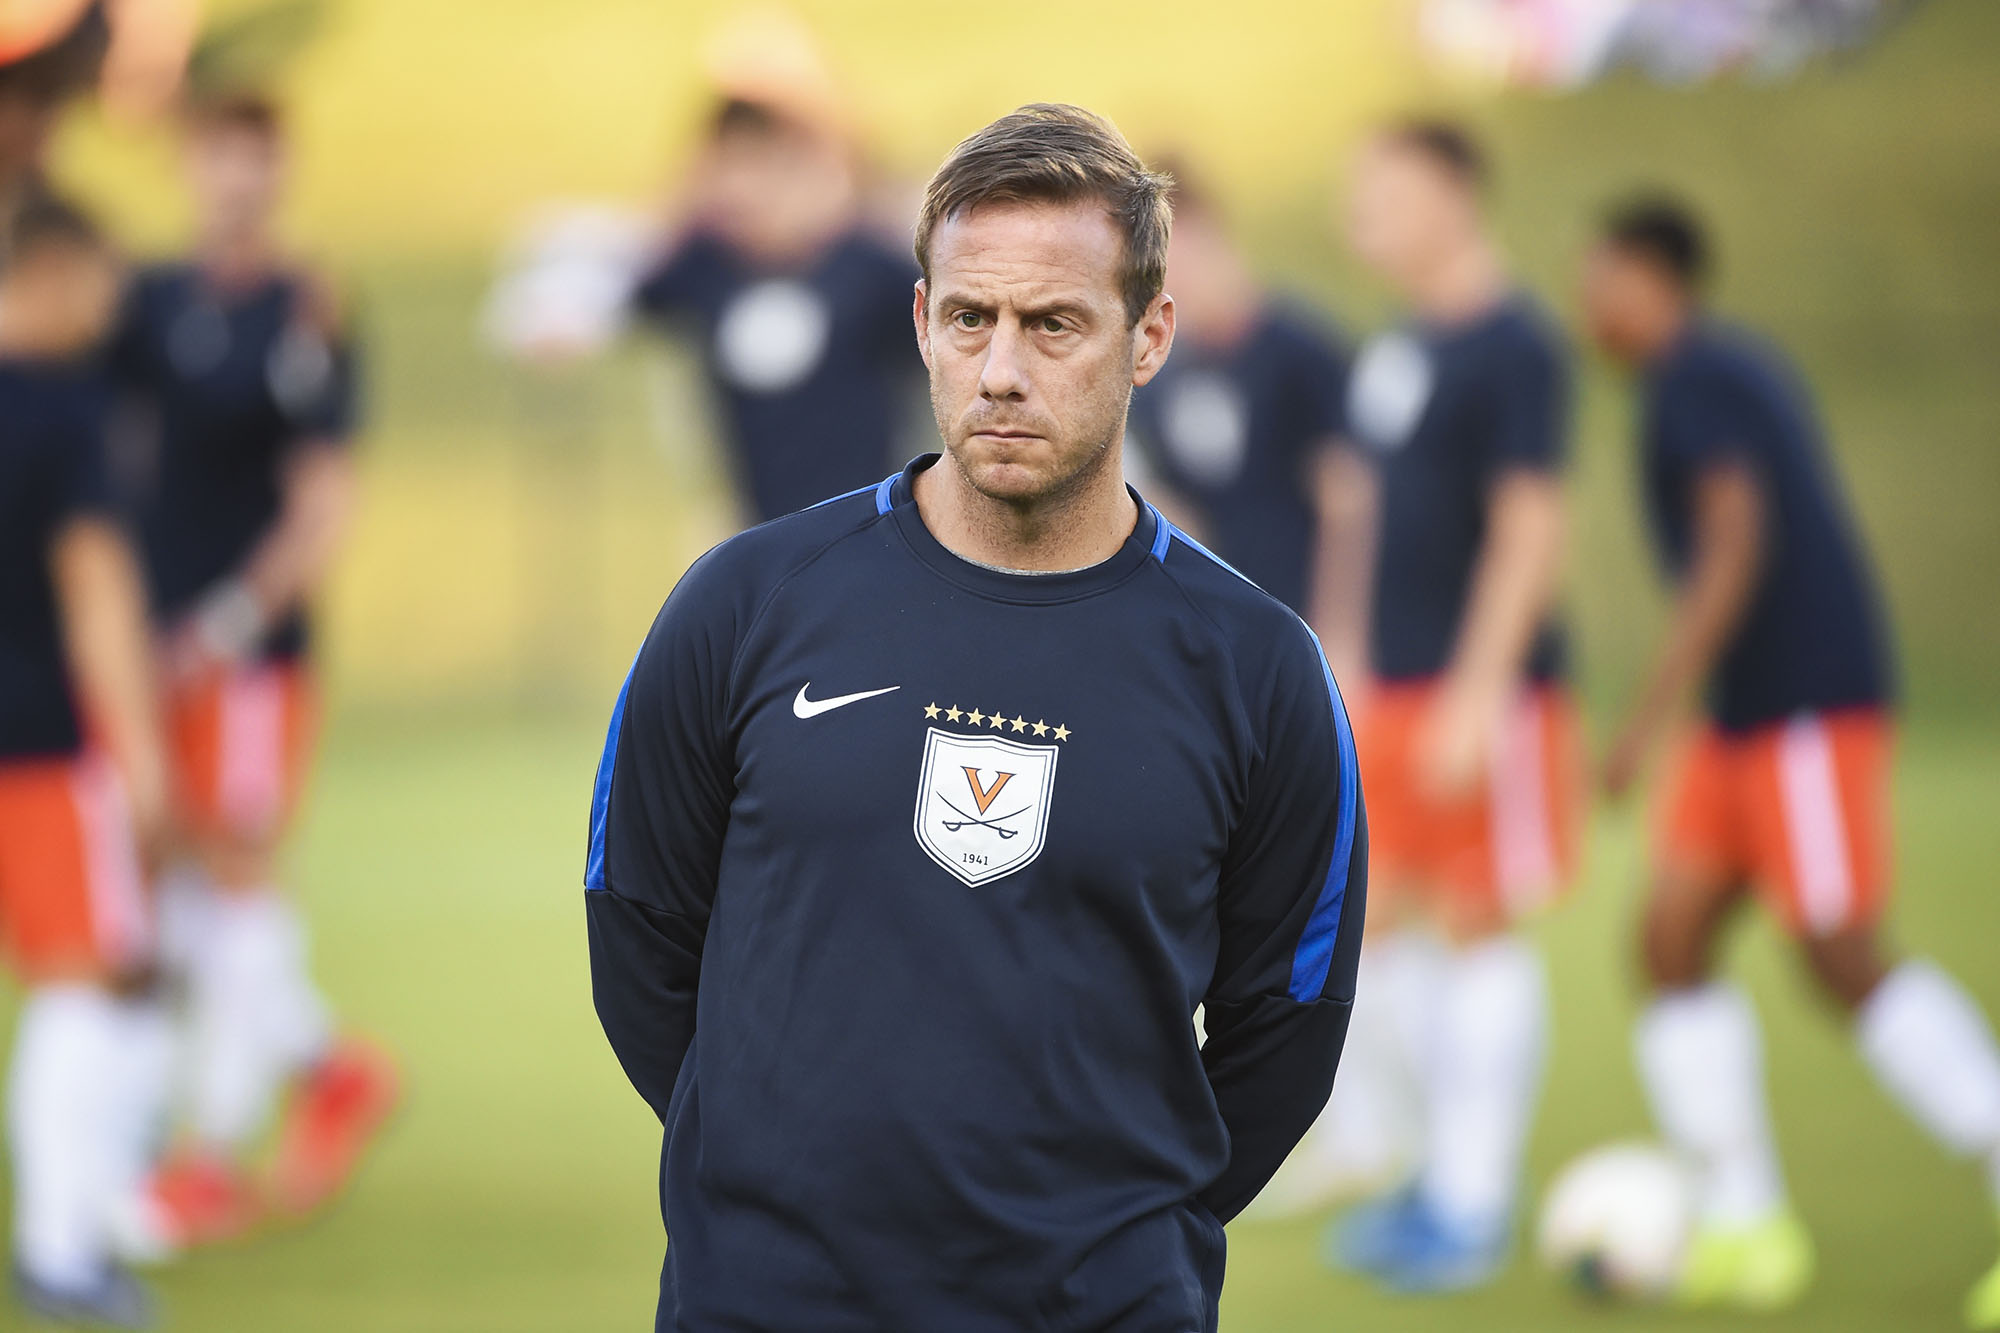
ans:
(1001, 378)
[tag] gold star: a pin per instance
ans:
(996, 722)
(975, 717)
(1020, 724)
(1041, 727)
(1062, 733)
(930, 710)
(953, 713)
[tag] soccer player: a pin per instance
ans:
(244, 369)
(1467, 732)
(801, 311)
(929, 815)
(82, 777)
(1237, 429)
(1784, 789)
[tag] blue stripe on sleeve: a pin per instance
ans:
(600, 792)
(1315, 951)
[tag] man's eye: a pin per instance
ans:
(967, 319)
(1051, 324)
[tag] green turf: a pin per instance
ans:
(440, 863)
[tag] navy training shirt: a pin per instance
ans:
(228, 386)
(52, 472)
(812, 369)
(1234, 431)
(1813, 636)
(906, 876)
(1447, 411)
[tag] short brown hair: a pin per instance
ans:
(1446, 145)
(1051, 152)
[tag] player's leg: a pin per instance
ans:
(1922, 1035)
(257, 1024)
(1485, 1041)
(75, 921)
(1699, 1051)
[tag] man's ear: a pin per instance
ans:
(1152, 339)
(920, 312)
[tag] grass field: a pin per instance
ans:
(441, 862)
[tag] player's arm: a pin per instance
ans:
(1345, 496)
(103, 608)
(319, 488)
(1292, 897)
(1513, 586)
(659, 811)
(1723, 571)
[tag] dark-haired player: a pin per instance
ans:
(801, 311)
(1783, 791)
(82, 774)
(1468, 732)
(929, 815)
(1239, 427)
(241, 368)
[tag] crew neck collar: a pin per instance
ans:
(896, 498)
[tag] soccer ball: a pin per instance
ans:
(1617, 1221)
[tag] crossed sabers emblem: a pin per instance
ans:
(983, 797)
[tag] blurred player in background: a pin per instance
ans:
(1468, 735)
(1784, 789)
(82, 777)
(240, 370)
(801, 310)
(1238, 431)
(50, 51)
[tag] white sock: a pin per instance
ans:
(254, 1014)
(1482, 1081)
(1370, 1128)
(60, 1096)
(186, 911)
(146, 1051)
(1702, 1063)
(1930, 1046)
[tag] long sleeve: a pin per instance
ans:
(659, 811)
(1292, 898)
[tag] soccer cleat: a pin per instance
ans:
(200, 1198)
(1365, 1237)
(115, 1300)
(1982, 1306)
(1767, 1265)
(339, 1106)
(1434, 1256)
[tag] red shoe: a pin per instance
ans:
(339, 1106)
(197, 1198)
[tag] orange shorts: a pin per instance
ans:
(71, 895)
(1798, 808)
(240, 742)
(1510, 845)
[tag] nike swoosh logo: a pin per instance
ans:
(804, 707)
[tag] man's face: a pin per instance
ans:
(237, 173)
(1622, 298)
(27, 118)
(59, 298)
(771, 191)
(1031, 356)
(1402, 211)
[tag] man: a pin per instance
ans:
(1784, 789)
(242, 370)
(928, 817)
(1467, 732)
(800, 309)
(1239, 428)
(73, 797)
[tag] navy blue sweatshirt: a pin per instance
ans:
(905, 878)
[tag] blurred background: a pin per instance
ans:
(521, 523)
